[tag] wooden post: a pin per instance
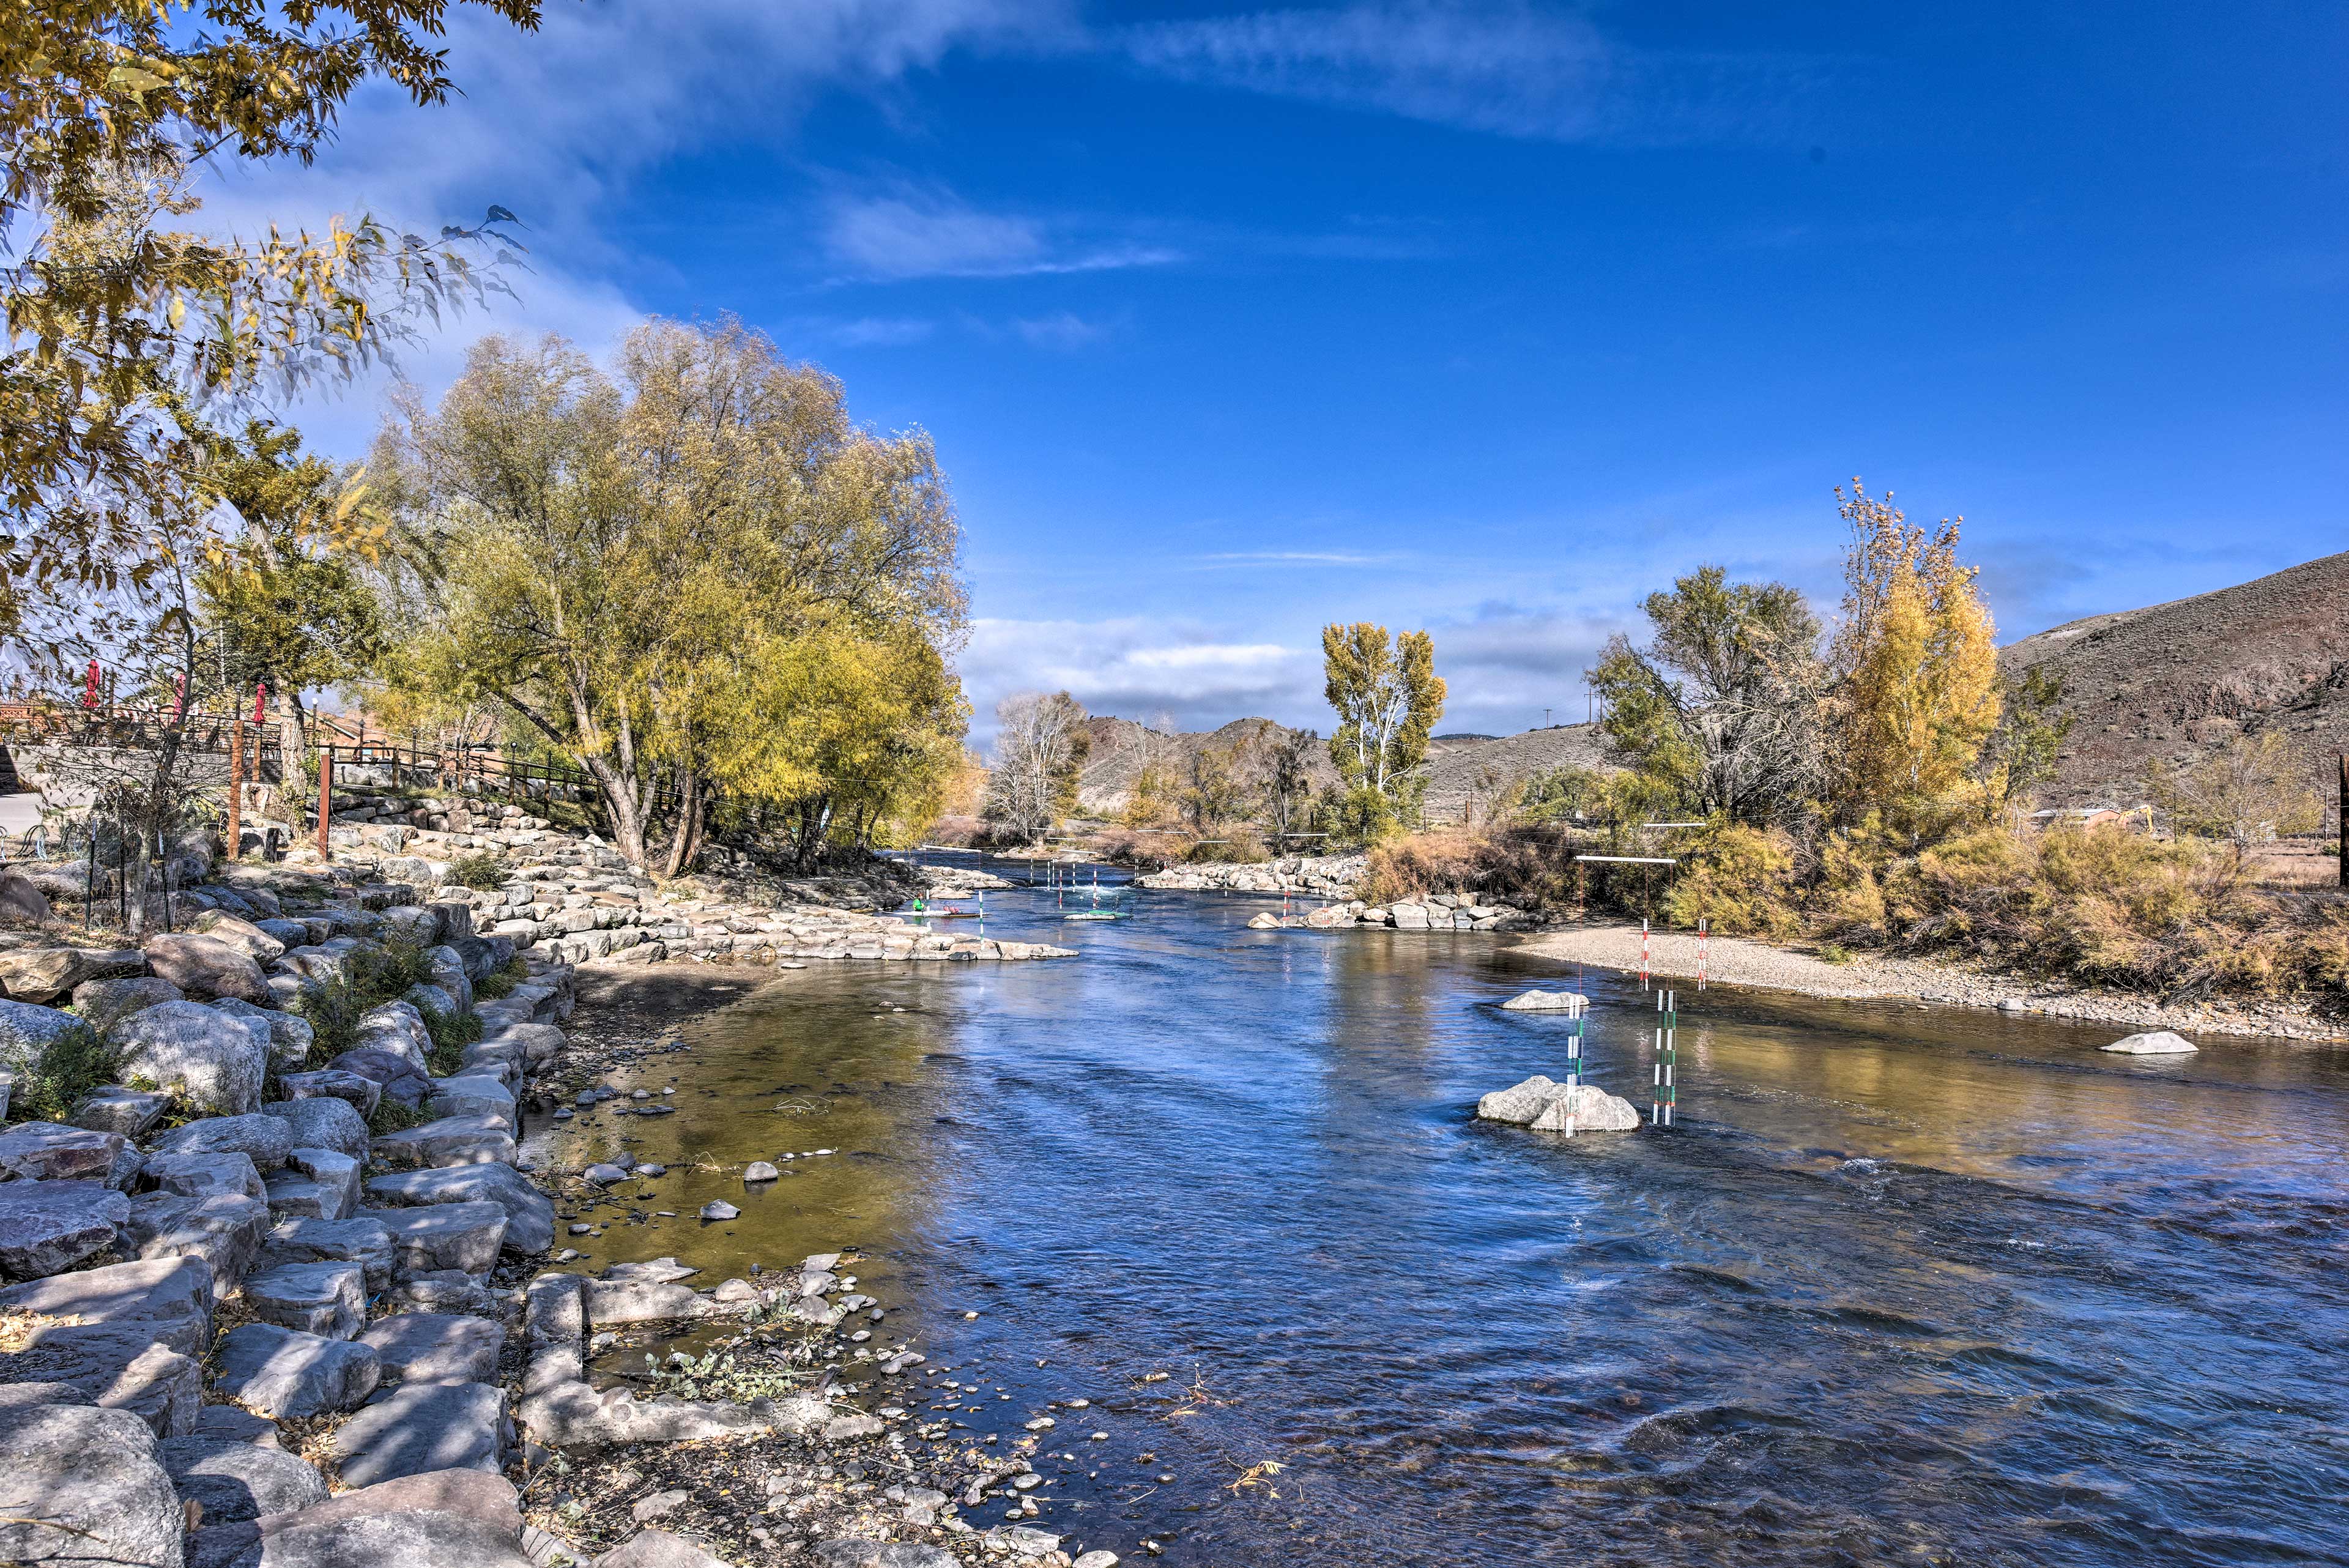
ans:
(2340, 819)
(235, 784)
(326, 798)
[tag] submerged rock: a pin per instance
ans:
(1548, 1002)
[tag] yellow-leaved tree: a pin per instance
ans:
(1917, 655)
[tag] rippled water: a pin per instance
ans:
(1903, 1286)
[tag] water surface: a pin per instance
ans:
(1904, 1286)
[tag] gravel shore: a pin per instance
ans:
(1738, 961)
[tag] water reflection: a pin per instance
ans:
(1905, 1286)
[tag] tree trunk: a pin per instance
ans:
(684, 843)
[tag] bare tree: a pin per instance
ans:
(1040, 745)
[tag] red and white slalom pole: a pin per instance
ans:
(1643, 952)
(1703, 946)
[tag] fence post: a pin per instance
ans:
(235, 784)
(326, 797)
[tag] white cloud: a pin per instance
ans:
(1136, 666)
(880, 332)
(1063, 329)
(910, 233)
(1482, 64)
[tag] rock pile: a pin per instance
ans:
(1438, 912)
(1324, 875)
(1547, 1107)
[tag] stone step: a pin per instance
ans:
(224, 1229)
(172, 1296)
(356, 1240)
(452, 1140)
(436, 1347)
(420, 1428)
(234, 1480)
(286, 1375)
(46, 1227)
(464, 1237)
(530, 1213)
(119, 1366)
(327, 1299)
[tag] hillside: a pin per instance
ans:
(2171, 680)
(1462, 770)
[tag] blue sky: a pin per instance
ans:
(1482, 318)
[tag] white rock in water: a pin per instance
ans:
(1548, 1002)
(758, 1170)
(2160, 1042)
(1558, 1107)
(720, 1210)
(1586, 1108)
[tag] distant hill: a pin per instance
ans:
(2169, 680)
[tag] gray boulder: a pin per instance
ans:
(26, 1031)
(119, 1365)
(47, 1227)
(105, 1003)
(428, 999)
(1548, 1002)
(333, 1169)
(90, 1477)
(115, 1109)
(47, 1151)
(421, 1539)
(660, 1549)
(245, 936)
(172, 1296)
(331, 1083)
(418, 1427)
(452, 1140)
(400, 1079)
(44, 974)
(397, 1027)
(1522, 1104)
(530, 1213)
(436, 1347)
(214, 1062)
(362, 1242)
(323, 1122)
(290, 1035)
(449, 974)
(232, 1480)
(472, 1094)
(286, 1375)
(224, 1229)
(202, 1175)
(1586, 1108)
(464, 1237)
(207, 967)
(326, 1299)
(265, 1139)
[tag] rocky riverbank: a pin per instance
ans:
(1314, 876)
(284, 1290)
(1735, 960)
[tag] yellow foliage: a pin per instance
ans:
(1742, 880)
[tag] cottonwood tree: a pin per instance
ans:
(1387, 696)
(1289, 786)
(2023, 750)
(1916, 658)
(113, 308)
(1720, 713)
(2248, 791)
(626, 560)
(1040, 745)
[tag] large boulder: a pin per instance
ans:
(172, 1296)
(26, 1031)
(304, 1240)
(21, 899)
(119, 1366)
(530, 1213)
(45, 1151)
(420, 1539)
(463, 1237)
(245, 935)
(471, 1094)
(207, 966)
(325, 1122)
(223, 1229)
(103, 1003)
(265, 1139)
(86, 1489)
(1548, 1002)
(47, 1227)
(1558, 1107)
(333, 1083)
(436, 1347)
(452, 1140)
(418, 1427)
(231, 1480)
(400, 1080)
(397, 1028)
(286, 1375)
(290, 1035)
(2158, 1043)
(448, 970)
(203, 1173)
(213, 1061)
(326, 1299)
(44, 974)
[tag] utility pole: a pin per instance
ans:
(2340, 819)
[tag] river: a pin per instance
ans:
(1902, 1285)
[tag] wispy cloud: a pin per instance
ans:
(1138, 665)
(1062, 329)
(1497, 67)
(1229, 558)
(913, 234)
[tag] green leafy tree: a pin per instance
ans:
(112, 310)
(2022, 752)
(1387, 697)
(1719, 712)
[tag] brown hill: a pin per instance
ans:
(2166, 682)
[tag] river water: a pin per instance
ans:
(1903, 1285)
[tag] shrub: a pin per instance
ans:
(451, 1033)
(480, 871)
(1740, 878)
(1503, 865)
(502, 981)
(390, 1116)
(69, 1066)
(372, 976)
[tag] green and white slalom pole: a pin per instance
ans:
(1666, 1094)
(1574, 1042)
